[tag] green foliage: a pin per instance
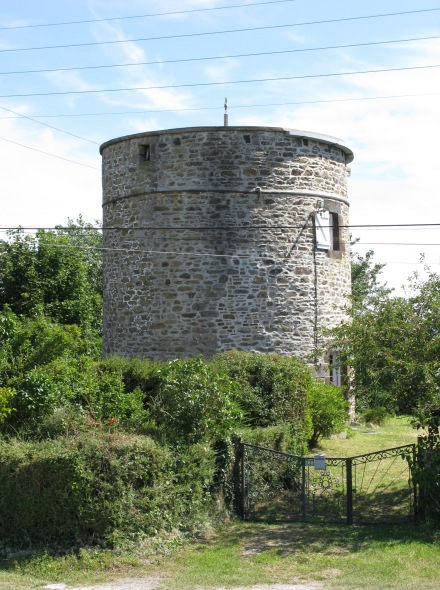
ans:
(193, 402)
(100, 488)
(36, 396)
(328, 410)
(54, 273)
(7, 395)
(393, 345)
(272, 388)
(287, 438)
(39, 341)
(425, 471)
(73, 394)
(136, 373)
(376, 415)
(365, 280)
(96, 391)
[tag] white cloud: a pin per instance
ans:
(39, 190)
(221, 70)
(395, 141)
(137, 77)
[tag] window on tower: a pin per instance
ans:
(144, 153)
(327, 231)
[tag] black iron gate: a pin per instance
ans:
(375, 487)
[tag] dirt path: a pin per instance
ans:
(151, 583)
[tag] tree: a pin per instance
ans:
(393, 345)
(54, 273)
(365, 280)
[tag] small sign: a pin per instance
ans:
(319, 462)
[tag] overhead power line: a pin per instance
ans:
(47, 153)
(218, 57)
(399, 244)
(230, 107)
(255, 256)
(222, 83)
(206, 33)
(216, 228)
(136, 16)
(47, 125)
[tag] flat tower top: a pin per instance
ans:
(247, 129)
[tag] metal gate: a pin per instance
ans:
(375, 487)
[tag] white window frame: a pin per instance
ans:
(334, 362)
(325, 230)
(322, 229)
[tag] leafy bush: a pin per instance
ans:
(97, 390)
(272, 388)
(376, 415)
(425, 471)
(136, 373)
(69, 395)
(328, 411)
(288, 438)
(101, 488)
(36, 396)
(48, 274)
(38, 341)
(7, 395)
(193, 402)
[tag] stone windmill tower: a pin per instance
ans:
(224, 237)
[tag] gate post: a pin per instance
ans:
(243, 482)
(303, 487)
(415, 458)
(349, 469)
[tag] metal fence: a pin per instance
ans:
(375, 487)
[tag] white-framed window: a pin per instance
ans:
(327, 230)
(335, 369)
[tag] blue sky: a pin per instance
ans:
(395, 140)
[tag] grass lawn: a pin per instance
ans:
(355, 558)
(395, 432)
(379, 557)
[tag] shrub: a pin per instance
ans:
(376, 415)
(288, 438)
(193, 402)
(425, 471)
(272, 388)
(328, 411)
(50, 399)
(36, 396)
(7, 395)
(136, 373)
(101, 488)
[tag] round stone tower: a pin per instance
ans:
(224, 237)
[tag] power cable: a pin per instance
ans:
(222, 83)
(136, 16)
(398, 244)
(48, 154)
(47, 125)
(230, 107)
(263, 257)
(217, 57)
(205, 33)
(218, 228)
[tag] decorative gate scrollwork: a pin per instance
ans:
(375, 487)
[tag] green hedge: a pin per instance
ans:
(100, 489)
(272, 389)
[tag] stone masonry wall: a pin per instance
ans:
(210, 241)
